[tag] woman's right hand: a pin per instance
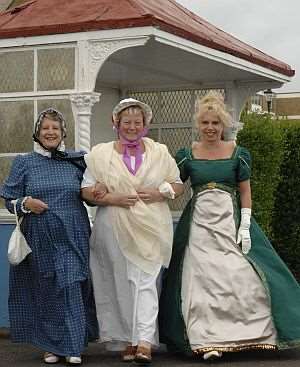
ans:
(35, 205)
(122, 200)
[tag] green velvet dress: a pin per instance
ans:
(213, 296)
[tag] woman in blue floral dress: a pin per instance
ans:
(49, 292)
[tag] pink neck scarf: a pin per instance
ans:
(136, 146)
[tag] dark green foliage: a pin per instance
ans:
(275, 149)
(286, 215)
(264, 139)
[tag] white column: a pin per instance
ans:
(82, 104)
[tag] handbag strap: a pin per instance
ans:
(18, 222)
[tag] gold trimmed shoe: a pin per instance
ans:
(213, 354)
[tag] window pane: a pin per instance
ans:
(16, 121)
(5, 164)
(176, 106)
(152, 99)
(56, 69)
(153, 134)
(176, 139)
(16, 71)
(64, 106)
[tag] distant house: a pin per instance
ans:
(283, 105)
(287, 105)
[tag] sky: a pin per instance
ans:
(271, 26)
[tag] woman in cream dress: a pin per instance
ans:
(132, 233)
(226, 289)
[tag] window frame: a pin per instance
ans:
(35, 95)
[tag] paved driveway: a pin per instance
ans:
(19, 355)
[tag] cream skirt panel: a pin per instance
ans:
(224, 302)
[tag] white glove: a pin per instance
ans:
(244, 232)
(167, 190)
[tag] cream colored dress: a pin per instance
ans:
(129, 246)
(224, 302)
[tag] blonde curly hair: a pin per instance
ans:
(213, 102)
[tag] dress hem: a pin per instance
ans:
(237, 348)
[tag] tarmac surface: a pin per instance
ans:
(21, 355)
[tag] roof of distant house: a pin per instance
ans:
(44, 17)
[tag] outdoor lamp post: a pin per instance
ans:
(269, 95)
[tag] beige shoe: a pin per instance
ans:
(143, 355)
(75, 361)
(50, 358)
(128, 354)
(214, 354)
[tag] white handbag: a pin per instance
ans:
(18, 248)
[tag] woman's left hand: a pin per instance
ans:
(149, 196)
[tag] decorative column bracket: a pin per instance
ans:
(99, 51)
(236, 96)
(82, 104)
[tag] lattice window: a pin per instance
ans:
(32, 79)
(16, 71)
(173, 123)
(56, 69)
(17, 120)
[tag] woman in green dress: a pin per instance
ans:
(226, 289)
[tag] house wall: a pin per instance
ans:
(287, 105)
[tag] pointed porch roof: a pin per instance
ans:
(44, 17)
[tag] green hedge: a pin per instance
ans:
(275, 182)
(286, 214)
(264, 139)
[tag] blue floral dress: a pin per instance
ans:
(50, 302)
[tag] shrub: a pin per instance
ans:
(286, 215)
(263, 137)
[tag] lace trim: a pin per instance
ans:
(40, 150)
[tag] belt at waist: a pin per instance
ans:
(213, 185)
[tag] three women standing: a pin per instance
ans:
(217, 296)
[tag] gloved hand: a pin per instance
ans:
(167, 190)
(244, 232)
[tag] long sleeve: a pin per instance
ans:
(14, 185)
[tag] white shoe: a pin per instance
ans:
(50, 358)
(214, 354)
(74, 360)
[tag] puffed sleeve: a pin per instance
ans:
(181, 158)
(244, 164)
(14, 185)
